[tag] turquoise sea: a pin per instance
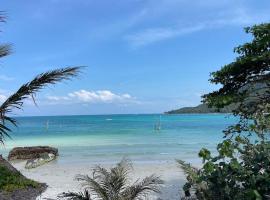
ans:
(103, 138)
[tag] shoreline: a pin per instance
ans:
(84, 142)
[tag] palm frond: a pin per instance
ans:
(4, 129)
(186, 167)
(113, 184)
(5, 50)
(107, 184)
(39, 82)
(4, 133)
(192, 174)
(119, 176)
(3, 16)
(75, 196)
(95, 186)
(141, 189)
(190, 171)
(15, 101)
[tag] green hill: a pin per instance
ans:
(202, 108)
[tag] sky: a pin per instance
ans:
(141, 56)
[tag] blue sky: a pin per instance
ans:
(142, 56)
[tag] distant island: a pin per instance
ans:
(202, 108)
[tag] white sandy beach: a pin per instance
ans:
(60, 177)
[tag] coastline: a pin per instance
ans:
(86, 141)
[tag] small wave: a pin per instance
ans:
(194, 143)
(164, 153)
(108, 119)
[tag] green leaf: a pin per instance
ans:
(205, 154)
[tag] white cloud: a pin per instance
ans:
(149, 36)
(184, 17)
(104, 96)
(58, 98)
(85, 96)
(144, 22)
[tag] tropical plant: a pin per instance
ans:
(76, 195)
(29, 89)
(241, 168)
(113, 184)
(11, 180)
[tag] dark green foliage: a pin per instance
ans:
(246, 80)
(114, 184)
(10, 181)
(241, 169)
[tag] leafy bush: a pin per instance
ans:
(10, 181)
(241, 169)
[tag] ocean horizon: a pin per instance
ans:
(108, 138)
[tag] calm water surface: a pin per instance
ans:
(101, 138)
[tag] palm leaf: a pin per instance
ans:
(75, 196)
(143, 188)
(113, 184)
(5, 49)
(2, 16)
(3, 133)
(96, 187)
(193, 181)
(118, 178)
(189, 170)
(15, 101)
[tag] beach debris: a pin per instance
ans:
(43, 159)
(34, 152)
